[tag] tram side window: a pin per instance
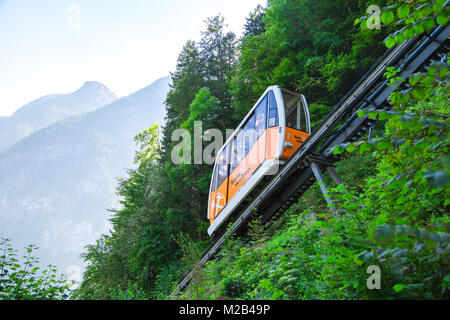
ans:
(214, 177)
(222, 168)
(249, 134)
(273, 111)
(236, 151)
(243, 142)
(260, 112)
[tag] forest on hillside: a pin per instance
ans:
(393, 211)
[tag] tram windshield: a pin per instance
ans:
(297, 116)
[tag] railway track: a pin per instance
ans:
(341, 125)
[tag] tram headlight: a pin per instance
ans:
(288, 145)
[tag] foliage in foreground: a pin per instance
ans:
(25, 280)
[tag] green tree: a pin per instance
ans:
(186, 81)
(217, 54)
(254, 24)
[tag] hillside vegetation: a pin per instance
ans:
(392, 211)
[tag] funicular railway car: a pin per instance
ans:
(270, 133)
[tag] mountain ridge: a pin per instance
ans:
(44, 111)
(57, 183)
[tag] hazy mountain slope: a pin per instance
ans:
(44, 111)
(56, 185)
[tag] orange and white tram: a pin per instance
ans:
(270, 133)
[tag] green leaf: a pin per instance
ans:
(414, 78)
(418, 14)
(428, 24)
(410, 21)
(398, 287)
(383, 116)
(389, 42)
(365, 147)
(437, 7)
(337, 150)
(409, 33)
(442, 19)
(419, 28)
(350, 148)
(387, 17)
(399, 38)
(373, 115)
(340, 148)
(403, 12)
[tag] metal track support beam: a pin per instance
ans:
(323, 187)
(333, 174)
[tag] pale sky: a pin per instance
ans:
(54, 46)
